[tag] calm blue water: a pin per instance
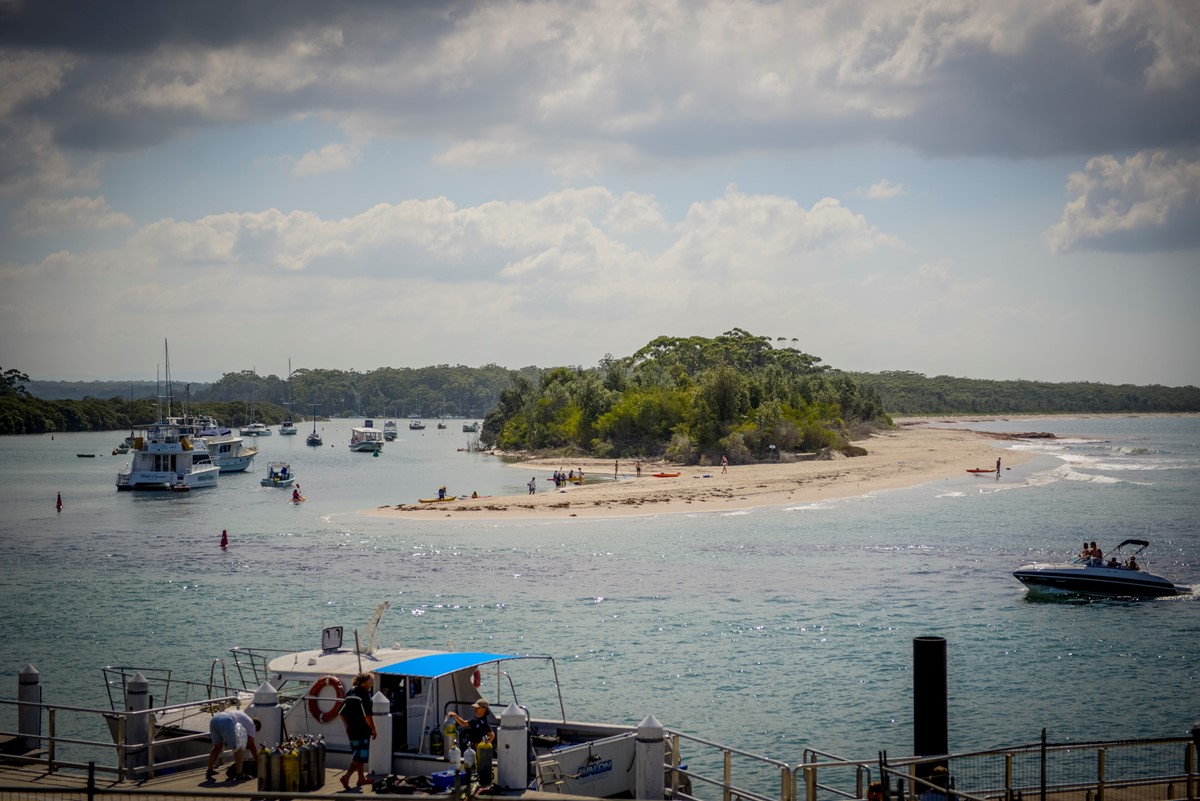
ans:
(789, 626)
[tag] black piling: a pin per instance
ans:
(930, 736)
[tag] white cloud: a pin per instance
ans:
(885, 190)
(330, 158)
(1152, 199)
(44, 215)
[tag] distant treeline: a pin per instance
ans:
(905, 393)
(689, 398)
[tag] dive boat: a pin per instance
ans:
(366, 439)
(163, 458)
(279, 474)
(301, 693)
(1120, 575)
(390, 431)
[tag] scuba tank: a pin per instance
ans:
(436, 743)
(483, 758)
(264, 776)
(455, 756)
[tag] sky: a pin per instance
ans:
(1001, 190)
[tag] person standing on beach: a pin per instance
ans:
(638, 467)
(616, 467)
(724, 463)
(533, 485)
(356, 714)
(997, 468)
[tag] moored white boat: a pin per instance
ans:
(287, 427)
(164, 457)
(366, 438)
(416, 425)
(389, 430)
(255, 430)
(471, 428)
(1120, 575)
(231, 454)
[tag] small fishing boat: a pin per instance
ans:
(288, 427)
(279, 475)
(416, 425)
(86, 455)
(1119, 576)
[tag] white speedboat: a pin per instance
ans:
(389, 430)
(287, 427)
(255, 430)
(1121, 574)
(279, 474)
(165, 458)
(366, 439)
(415, 425)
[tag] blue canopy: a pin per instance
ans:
(434, 665)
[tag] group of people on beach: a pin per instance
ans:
(563, 477)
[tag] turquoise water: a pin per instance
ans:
(788, 626)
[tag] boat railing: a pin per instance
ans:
(165, 689)
(84, 738)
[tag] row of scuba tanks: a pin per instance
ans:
(296, 765)
(469, 759)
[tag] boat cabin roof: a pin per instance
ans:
(307, 666)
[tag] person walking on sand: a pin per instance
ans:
(533, 485)
(997, 468)
(616, 467)
(724, 463)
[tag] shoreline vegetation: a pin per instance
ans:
(914, 452)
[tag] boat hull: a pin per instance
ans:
(1076, 579)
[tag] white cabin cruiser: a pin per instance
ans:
(231, 454)
(164, 458)
(1120, 575)
(390, 431)
(255, 430)
(287, 427)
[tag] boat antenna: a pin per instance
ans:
(357, 651)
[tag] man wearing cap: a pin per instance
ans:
(479, 729)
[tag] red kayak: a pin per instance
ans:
(981, 470)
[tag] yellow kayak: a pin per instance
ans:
(437, 500)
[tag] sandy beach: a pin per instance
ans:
(916, 452)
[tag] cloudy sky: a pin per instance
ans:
(1005, 189)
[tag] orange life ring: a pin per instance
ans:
(476, 679)
(318, 685)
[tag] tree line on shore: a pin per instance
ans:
(688, 399)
